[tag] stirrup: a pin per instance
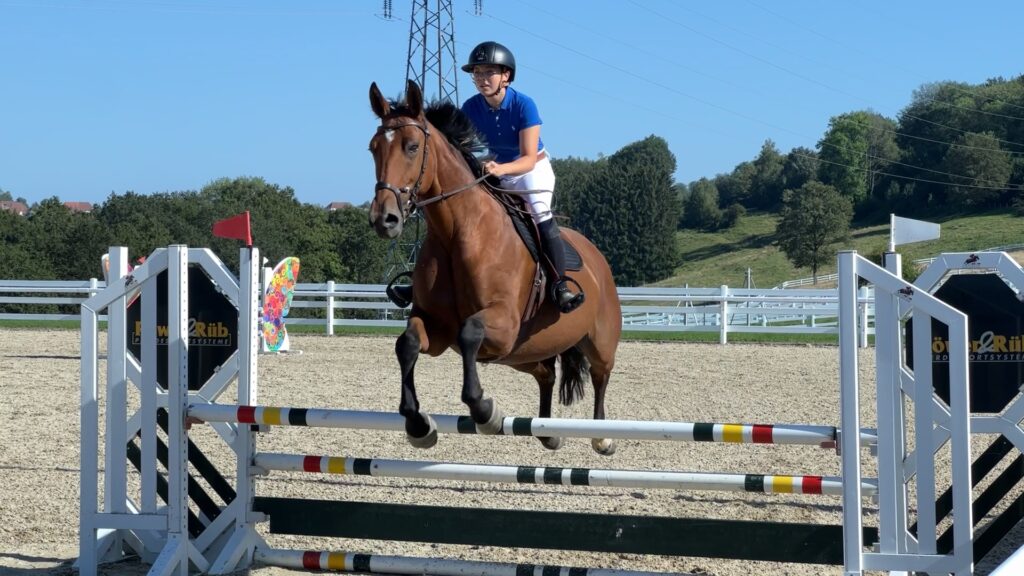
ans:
(560, 290)
(400, 295)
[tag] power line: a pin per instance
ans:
(645, 52)
(803, 56)
(855, 49)
(740, 86)
(911, 178)
(792, 72)
(742, 115)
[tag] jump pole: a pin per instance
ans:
(515, 426)
(412, 565)
(708, 481)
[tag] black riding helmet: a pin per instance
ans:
(492, 53)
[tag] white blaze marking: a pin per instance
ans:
(389, 135)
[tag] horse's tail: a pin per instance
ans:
(575, 372)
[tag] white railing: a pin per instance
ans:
(720, 310)
(811, 281)
(46, 292)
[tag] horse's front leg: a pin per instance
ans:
(420, 429)
(494, 327)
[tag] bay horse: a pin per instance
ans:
(474, 275)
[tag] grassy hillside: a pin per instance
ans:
(713, 259)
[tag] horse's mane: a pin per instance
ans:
(456, 127)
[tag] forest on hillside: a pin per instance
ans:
(955, 148)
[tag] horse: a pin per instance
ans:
(474, 277)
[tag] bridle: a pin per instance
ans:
(409, 206)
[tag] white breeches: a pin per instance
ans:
(541, 178)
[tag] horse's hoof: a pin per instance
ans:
(552, 443)
(428, 440)
(603, 446)
(493, 424)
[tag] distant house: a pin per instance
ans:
(15, 207)
(338, 206)
(78, 206)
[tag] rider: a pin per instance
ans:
(511, 124)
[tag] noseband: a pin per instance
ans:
(409, 206)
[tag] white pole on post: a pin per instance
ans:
(853, 535)
(724, 321)
(862, 324)
(89, 443)
(330, 307)
(174, 557)
(148, 401)
(116, 473)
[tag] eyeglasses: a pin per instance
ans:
(484, 73)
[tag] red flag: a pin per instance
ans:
(236, 227)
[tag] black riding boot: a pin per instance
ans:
(551, 238)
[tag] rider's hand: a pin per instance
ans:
(494, 168)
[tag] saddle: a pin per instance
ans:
(526, 229)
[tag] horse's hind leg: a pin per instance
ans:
(420, 429)
(603, 446)
(544, 373)
(600, 372)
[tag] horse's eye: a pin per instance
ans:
(412, 147)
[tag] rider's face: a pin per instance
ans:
(489, 78)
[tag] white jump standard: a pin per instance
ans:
(228, 540)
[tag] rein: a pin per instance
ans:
(413, 191)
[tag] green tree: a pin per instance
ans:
(979, 170)
(68, 245)
(701, 210)
(20, 258)
(936, 115)
(5, 195)
(361, 253)
(572, 177)
(316, 246)
(767, 183)
(631, 211)
(735, 187)
(731, 215)
(141, 223)
(799, 168)
(814, 217)
(681, 191)
(856, 147)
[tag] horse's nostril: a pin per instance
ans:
(391, 220)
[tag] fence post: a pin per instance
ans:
(330, 307)
(93, 287)
(862, 313)
(724, 321)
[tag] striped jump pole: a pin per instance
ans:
(379, 564)
(383, 468)
(544, 427)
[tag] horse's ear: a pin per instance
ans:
(414, 97)
(378, 102)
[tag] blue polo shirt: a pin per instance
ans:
(501, 127)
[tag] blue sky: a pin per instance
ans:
(110, 96)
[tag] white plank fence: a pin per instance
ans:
(723, 310)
